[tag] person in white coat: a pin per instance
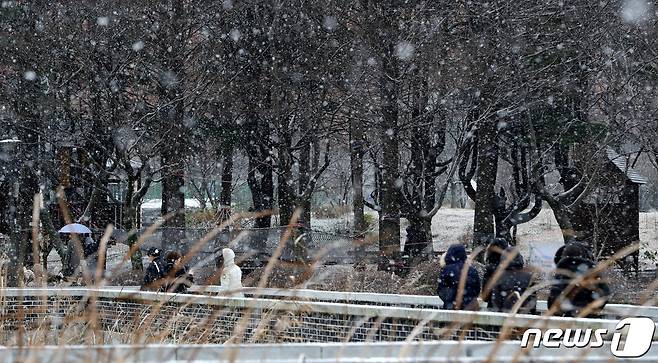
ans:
(231, 279)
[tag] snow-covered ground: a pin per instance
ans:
(538, 239)
(157, 204)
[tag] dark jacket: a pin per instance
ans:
(492, 260)
(73, 256)
(178, 281)
(89, 246)
(576, 262)
(450, 276)
(511, 285)
(154, 272)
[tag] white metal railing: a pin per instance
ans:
(426, 301)
(610, 310)
(137, 316)
(314, 352)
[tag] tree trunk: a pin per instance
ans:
(4, 207)
(131, 226)
(94, 200)
(356, 171)
(227, 176)
(389, 229)
(260, 173)
(419, 235)
(305, 178)
(173, 202)
(286, 192)
(260, 181)
(483, 223)
(200, 192)
(55, 240)
(26, 187)
(455, 197)
(172, 113)
(131, 223)
(303, 202)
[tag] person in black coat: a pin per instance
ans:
(154, 272)
(512, 284)
(74, 255)
(449, 281)
(179, 279)
(90, 248)
(569, 297)
(492, 259)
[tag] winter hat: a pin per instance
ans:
(577, 250)
(229, 256)
(154, 252)
(495, 249)
(455, 253)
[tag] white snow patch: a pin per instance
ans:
(157, 203)
(235, 35)
(103, 21)
(138, 45)
(636, 12)
(404, 50)
(30, 75)
(330, 22)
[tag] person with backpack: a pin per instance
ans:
(512, 283)
(492, 255)
(451, 287)
(577, 289)
(154, 272)
(178, 277)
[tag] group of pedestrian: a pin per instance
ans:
(167, 273)
(507, 285)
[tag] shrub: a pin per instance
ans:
(201, 218)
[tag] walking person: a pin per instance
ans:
(492, 259)
(458, 294)
(74, 256)
(513, 282)
(578, 290)
(178, 277)
(90, 250)
(154, 272)
(231, 280)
